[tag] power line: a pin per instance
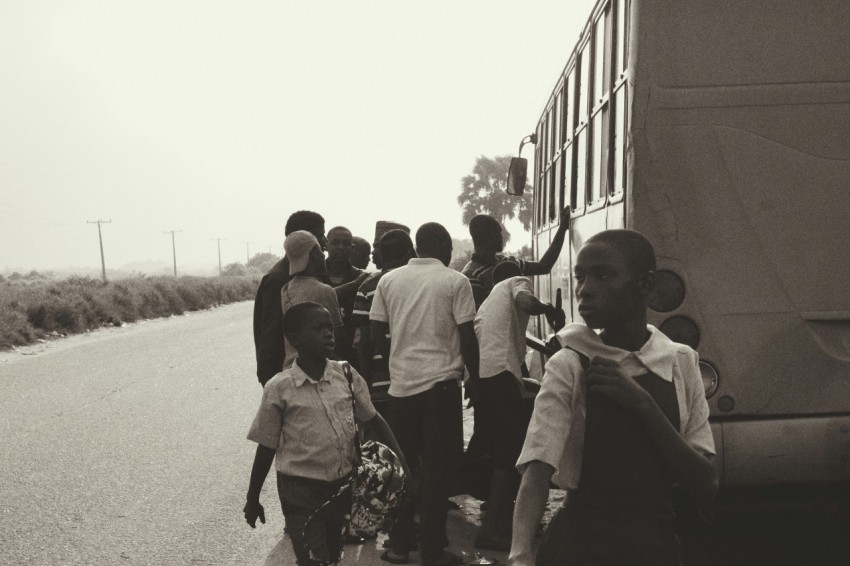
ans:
(173, 248)
(100, 239)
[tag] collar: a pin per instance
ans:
(487, 259)
(424, 261)
(658, 354)
(300, 378)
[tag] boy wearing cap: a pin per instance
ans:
(268, 318)
(307, 268)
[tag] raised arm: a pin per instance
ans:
(547, 262)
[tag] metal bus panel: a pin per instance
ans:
(737, 160)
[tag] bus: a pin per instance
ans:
(721, 131)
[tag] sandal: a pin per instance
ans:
(393, 558)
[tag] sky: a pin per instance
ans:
(220, 118)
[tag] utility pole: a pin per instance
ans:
(219, 254)
(173, 248)
(100, 239)
(247, 253)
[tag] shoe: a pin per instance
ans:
(448, 559)
(491, 543)
(393, 558)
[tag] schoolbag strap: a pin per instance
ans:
(346, 369)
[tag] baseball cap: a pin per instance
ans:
(297, 247)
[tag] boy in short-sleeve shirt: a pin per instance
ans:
(305, 425)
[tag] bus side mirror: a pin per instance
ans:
(516, 176)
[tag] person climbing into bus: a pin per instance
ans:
(488, 243)
(501, 416)
(620, 417)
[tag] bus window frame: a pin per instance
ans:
(619, 83)
(601, 102)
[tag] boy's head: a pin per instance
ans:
(486, 233)
(505, 270)
(614, 272)
(381, 228)
(310, 330)
(360, 250)
(434, 241)
(310, 221)
(305, 255)
(396, 249)
(339, 243)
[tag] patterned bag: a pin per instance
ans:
(377, 483)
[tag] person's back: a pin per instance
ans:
(428, 309)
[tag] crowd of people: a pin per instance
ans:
(618, 419)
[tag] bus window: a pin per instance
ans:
(600, 61)
(619, 131)
(567, 171)
(622, 40)
(555, 189)
(581, 160)
(598, 173)
(583, 107)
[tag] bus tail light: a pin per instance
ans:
(667, 293)
(710, 380)
(681, 329)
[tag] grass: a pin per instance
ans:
(35, 310)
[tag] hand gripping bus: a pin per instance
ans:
(721, 130)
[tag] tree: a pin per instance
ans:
(483, 192)
(235, 269)
(262, 262)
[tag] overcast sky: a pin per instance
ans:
(220, 118)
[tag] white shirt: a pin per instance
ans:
(423, 302)
(556, 432)
(500, 328)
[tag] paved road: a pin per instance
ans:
(127, 446)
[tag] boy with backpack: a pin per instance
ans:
(306, 426)
(621, 416)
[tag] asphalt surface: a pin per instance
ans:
(126, 446)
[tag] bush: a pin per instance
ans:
(40, 308)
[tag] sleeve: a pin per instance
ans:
(332, 304)
(463, 303)
(521, 285)
(268, 330)
(551, 421)
(360, 313)
(379, 307)
(364, 410)
(268, 422)
(697, 431)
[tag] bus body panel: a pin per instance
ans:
(737, 162)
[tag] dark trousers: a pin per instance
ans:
(429, 428)
(582, 537)
(316, 516)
